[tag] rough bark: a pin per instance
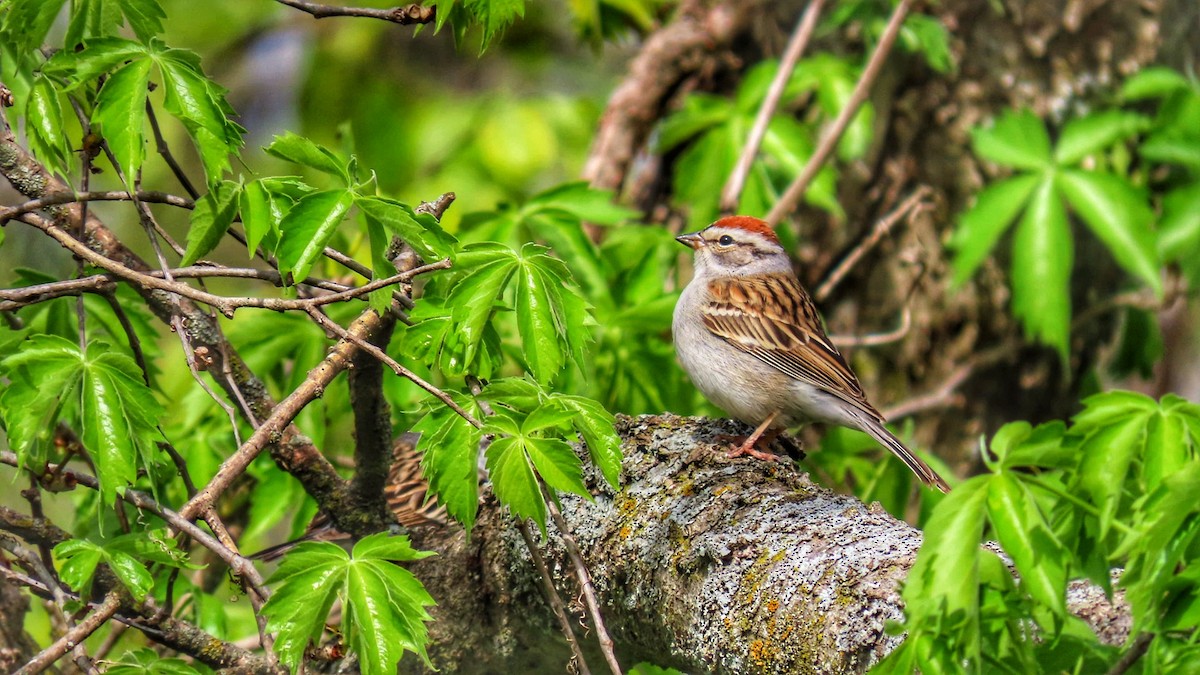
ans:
(704, 563)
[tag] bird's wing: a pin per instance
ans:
(772, 318)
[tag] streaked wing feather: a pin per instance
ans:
(773, 319)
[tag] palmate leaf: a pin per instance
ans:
(383, 604)
(199, 103)
(79, 559)
(120, 114)
(308, 227)
(190, 96)
(117, 411)
(44, 125)
(450, 458)
(1026, 535)
(211, 219)
(980, 228)
(1043, 252)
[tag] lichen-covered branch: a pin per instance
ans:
(701, 562)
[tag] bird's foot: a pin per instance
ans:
(748, 445)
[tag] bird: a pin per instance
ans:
(750, 338)
(407, 494)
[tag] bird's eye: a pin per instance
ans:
(725, 240)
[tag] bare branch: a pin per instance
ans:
(830, 137)
(553, 599)
(882, 227)
(225, 305)
(585, 584)
(410, 14)
(112, 602)
(328, 324)
(799, 40)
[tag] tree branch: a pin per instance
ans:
(410, 14)
(830, 137)
(799, 40)
(700, 562)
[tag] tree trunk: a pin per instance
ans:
(701, 562)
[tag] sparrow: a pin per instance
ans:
(751, 340)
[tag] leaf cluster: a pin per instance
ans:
(1114, 489)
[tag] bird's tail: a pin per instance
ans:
(914, 463)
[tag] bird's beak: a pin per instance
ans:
(691, 239)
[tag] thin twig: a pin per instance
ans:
(47, 657)
(552, 598)
(799, 40)
(882, 227)
(946, 394)
(411, 14)
(135, 343)
(585, 583)
(15, 298)
(1140, 645)
(876, 339)
(331, 325)
(830, 137)
(225, 305)
(165, 150)
(239, 564)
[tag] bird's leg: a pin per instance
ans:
(761, 433)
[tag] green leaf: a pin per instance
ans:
(513, 478)
(132, 574)
(383, 604)
(450, 447)
(119, 115)
(119, 417)
(78, 560)
(1041, 271)
(1026, 535)
(310, 578)
(1179, 230)
(257, 217)
(300, 150)
(144, 17)
(1095, 133)
(1119, 216)
(146, 661)
(474, 295)
(537, 324)
(557, 464)
(1017, 139)
(981, 226)
(99, 56)
(1108, 453)
(199, 103)
(91, 18)
(211, 219)
(421, 231)
(308, 227)
(945, 577)
(583, 202)
(26, 22)
(595, 425)
(1153, 82)
(44, 126)
(44, 375)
